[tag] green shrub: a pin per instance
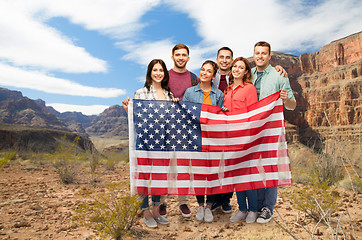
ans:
(66, 160)
(6, 158)
(317, 197)
(111, 213)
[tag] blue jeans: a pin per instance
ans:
(267, 197)
(210, 199)
(155, 201)
(252, 196)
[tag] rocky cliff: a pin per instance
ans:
(328, 88)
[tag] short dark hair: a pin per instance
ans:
(213, 64)
(180, 46)
(164, 82)
(263, 44)
(227, 49)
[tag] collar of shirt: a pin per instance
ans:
(266, 70)
(213, 88)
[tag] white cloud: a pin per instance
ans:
(286, 25)
(25, 41)
(86, 110)
(16, 77)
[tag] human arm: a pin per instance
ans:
(125, 104)
(289, 103)
(281, 70)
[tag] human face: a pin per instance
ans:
(238, 70)
(180, 58)
(206, 73)
(157, 73)
(261, 57)
(224, 61)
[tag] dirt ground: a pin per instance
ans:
(34, 204)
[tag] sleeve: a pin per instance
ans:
(186, 97)
(220, 101)
(137, 94)
(286, 85)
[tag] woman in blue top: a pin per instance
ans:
(206, 93)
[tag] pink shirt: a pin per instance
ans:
(241, 97)
(179, 82)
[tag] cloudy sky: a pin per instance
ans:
(87, 55)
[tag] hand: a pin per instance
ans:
(224, 109)
(281, 70)
(175, 99)
(125, 104)
(283, 95)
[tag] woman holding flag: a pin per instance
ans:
(156, 88)
(238, 95)
(206, 93)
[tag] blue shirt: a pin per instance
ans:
(271, 82)
(196, 95)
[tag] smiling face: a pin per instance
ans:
(238, 70)
(224, 60)
(180, 57)
(157, 73)
(207, 73)
(261, 57)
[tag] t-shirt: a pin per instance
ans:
(207, 99)
(179, 82)
(223, 84)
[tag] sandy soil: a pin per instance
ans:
(34, 204)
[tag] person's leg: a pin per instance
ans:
(182, 199)
(261, 197)
(217, 202)
(163, 199)
(241, 197)
(210, 199)
(200, 199)
(241, 214)
(270, 198)
(252, 196)
(145, 205)
(156, 210)
(163, 206)
(226, 207)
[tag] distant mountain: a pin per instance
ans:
(17, 109)
(111, 122)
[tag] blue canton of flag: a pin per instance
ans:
(167, 126)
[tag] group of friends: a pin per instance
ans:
(228, 83)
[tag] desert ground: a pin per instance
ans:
(35, 204)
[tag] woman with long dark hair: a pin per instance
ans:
(156, 88)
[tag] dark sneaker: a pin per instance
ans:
(163, 210)
(215, 206)
(185, 211)
(226, 208)
(265, 215)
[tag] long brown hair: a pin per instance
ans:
(246, 77)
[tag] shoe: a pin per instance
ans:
(200, 213)
(265, 215)
(185, 211)
(215, 206)
(151, 223)
(238, 216)
(226, 208)
(251, 217)
(162, 220)
(208, 215)
(163, 210)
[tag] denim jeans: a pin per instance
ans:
(209, 199)
(223, 198)
(267, 197)
(252, 196)
(145, 204)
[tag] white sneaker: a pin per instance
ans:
(162, 220)
(200, 213)
(208, 215)
(252, 216)
(238, 216)
(151, 223)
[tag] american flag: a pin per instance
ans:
(193, 149)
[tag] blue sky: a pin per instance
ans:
(87, 55)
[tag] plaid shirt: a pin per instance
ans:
(144, 94)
